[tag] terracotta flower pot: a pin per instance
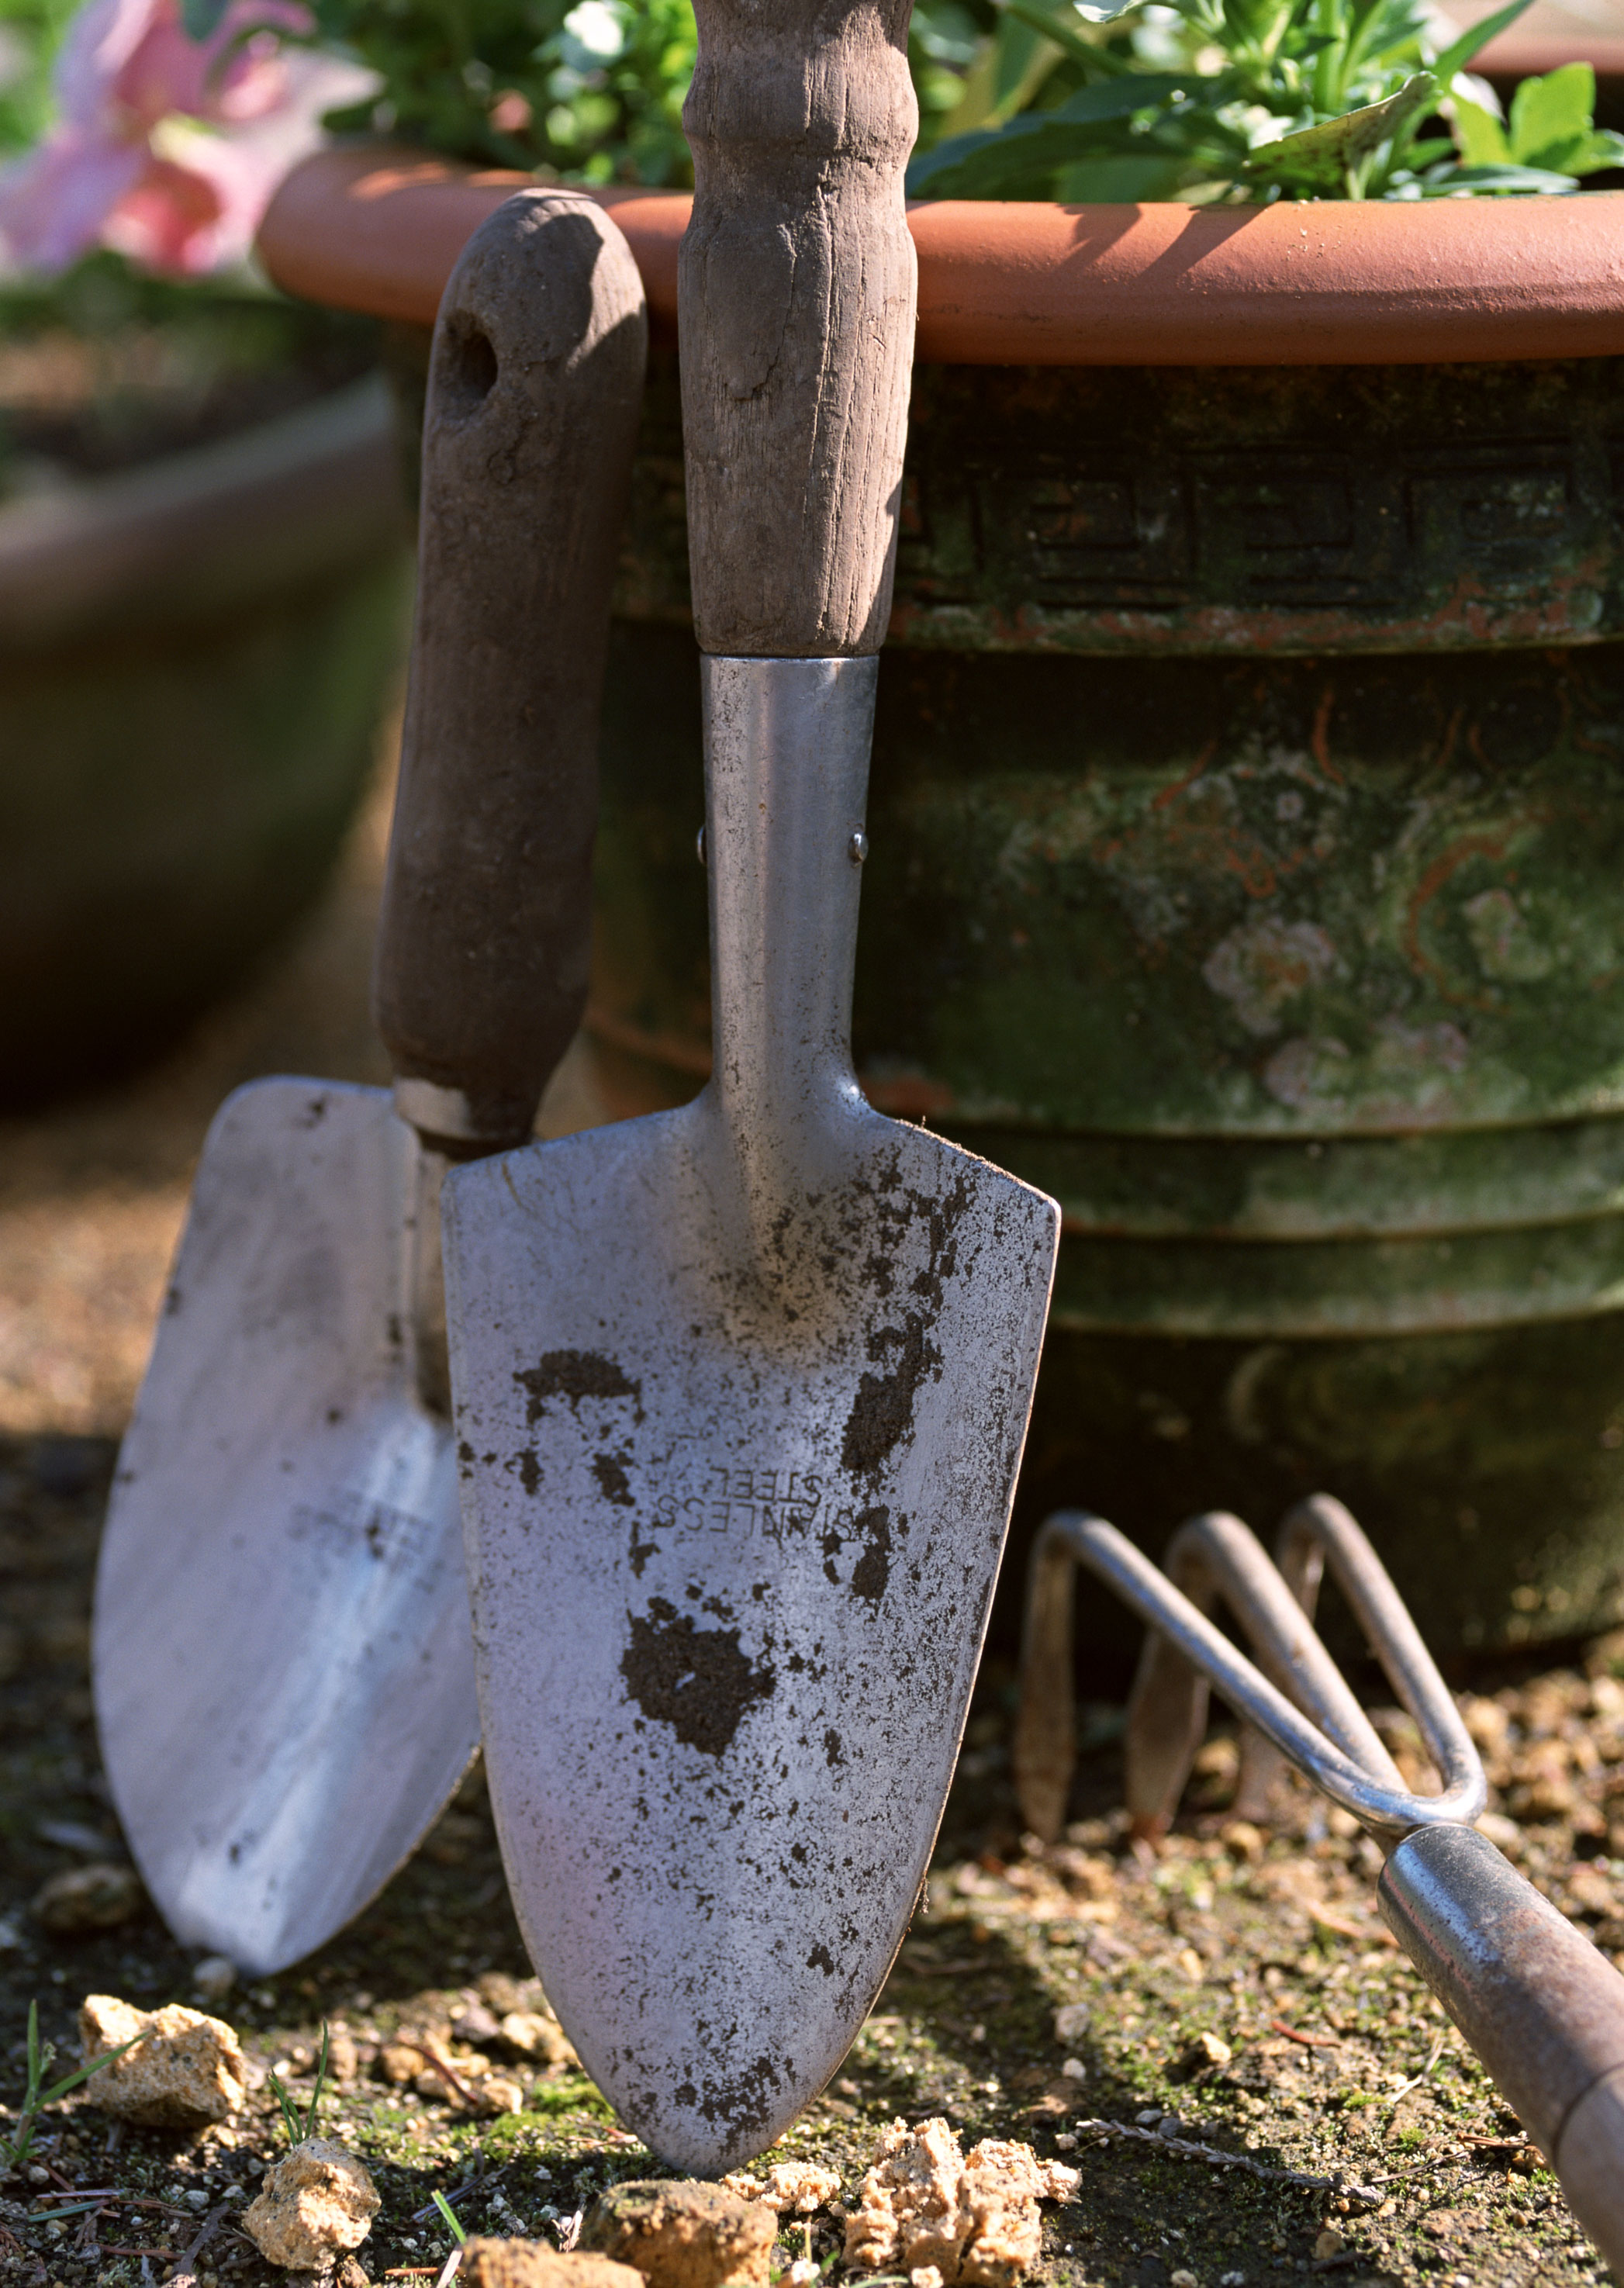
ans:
(1245, 833)
(194, 660)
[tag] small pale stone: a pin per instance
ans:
(499, 2093)
(343, 2059)
(908, 2213)
(97, 1897)
(316, 2205)
(924, 2276)
(400, 2062)
(1004, 2183)
(1203, 2052)
(532, 2264)
(800, 2187)
(1071, 2020)
(214, 1977)
(185, 2070)
(926, 2208)
(682, 2235)
(1330, 2242)
(533, 2034)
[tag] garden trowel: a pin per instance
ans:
(742, 1389)
(283, 1673)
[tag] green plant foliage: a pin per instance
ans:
(15, 2150)
(582, 90)
(30, 33)
(1210, 100)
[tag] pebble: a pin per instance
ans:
(184, 2072)
(97, 1897)
(972, 2219)
(316, 2205)
(1201, 2052)
(795, 2188)
(532, 2264)
(682, 2235)
(214, 1977)
(1071, 2020)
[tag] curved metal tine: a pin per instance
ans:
(1044, 1754)
(1321, 1531)
(1387, 1811)
(1215, 1556)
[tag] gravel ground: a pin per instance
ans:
(1339, 2067)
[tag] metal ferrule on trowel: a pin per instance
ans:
(787, 744)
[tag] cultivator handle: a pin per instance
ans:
(1541, 2007)
(535, 384)
(795, 296)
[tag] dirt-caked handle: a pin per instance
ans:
(795, 296)
(1541, 2007)
(535, 388)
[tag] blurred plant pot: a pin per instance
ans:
(195, 657)
(1244, 831)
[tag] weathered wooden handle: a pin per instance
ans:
(534, 387)
(795, 295)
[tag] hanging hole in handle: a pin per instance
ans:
(470, 368)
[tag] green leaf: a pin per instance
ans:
(72, 2081)
(1018, 160)
(450, 2214)
(1327, 152)
(202, 18)
(1479, 137)
(315, 2095)
(1552, 118)
(1442, 181)
(1456, 57)
(1127, 181)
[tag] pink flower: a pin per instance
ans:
(169, 147)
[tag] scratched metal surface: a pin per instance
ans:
(741, 1392)
(283, 1672)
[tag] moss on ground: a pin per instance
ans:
(1341, 2066)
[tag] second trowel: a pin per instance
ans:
(283, 1673)
(742, 1389)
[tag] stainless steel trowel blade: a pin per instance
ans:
(732, 1546)
(284, 1679)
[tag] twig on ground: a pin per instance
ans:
(472, 2185)
(183, 2276)
(1212, 2154)
(1308, 2041)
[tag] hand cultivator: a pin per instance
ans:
(1541, 2007)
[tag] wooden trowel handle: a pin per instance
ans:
(534, 387)
(796, 301)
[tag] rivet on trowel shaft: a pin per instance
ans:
(858, 847)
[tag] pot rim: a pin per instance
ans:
(1435, 282)
(207, 529)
